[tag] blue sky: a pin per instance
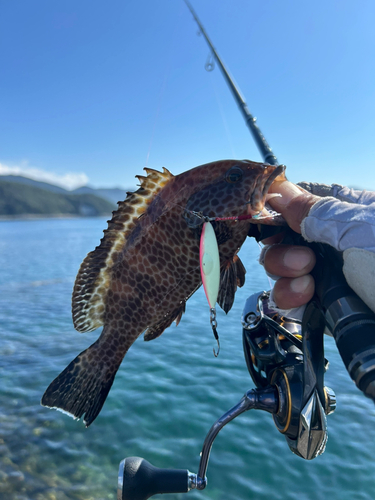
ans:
(93, 91)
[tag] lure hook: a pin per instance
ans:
(214, 331)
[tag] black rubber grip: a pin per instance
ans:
(351, 321)
(356, 344)
(139, 480)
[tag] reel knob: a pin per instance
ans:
(330, 400)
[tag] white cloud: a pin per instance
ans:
(70, 180)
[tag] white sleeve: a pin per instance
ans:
(347, 223)
(341, 224)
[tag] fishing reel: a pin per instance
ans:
(278, 355)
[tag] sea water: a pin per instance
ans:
(165, 397)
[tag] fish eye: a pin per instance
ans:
(234, 175)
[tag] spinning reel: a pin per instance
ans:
(278, 355)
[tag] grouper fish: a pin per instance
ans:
(147, 266)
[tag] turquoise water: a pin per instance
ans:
(166, 395)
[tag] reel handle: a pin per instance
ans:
(139, 480)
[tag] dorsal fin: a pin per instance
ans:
(94, 276)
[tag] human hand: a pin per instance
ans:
(292, 263)
(339, 216)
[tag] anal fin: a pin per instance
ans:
(156, 330)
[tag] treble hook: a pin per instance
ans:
(210, 63)
(214, 331)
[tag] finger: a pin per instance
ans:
(294, 203)
(290, 261)
(293, 292)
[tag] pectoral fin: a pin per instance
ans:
(231, 277)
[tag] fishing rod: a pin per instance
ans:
(284, 357)
(263, 146)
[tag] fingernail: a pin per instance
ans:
(297, 258)
(300, 285)
(288, 191)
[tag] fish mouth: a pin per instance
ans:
(260, 195)
(280, 169)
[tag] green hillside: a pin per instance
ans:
(22, 199)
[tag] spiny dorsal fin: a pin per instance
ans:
(94, 276)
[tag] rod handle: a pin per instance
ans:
(139, 480)
(350, 320)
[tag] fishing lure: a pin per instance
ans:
(210, 272)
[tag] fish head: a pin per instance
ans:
(230, 188)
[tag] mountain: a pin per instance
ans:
(30, 182)
(17, 198)
(112, 195)
(23, 196)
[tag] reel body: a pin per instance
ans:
(278, 355)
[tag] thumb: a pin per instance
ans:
(294, 203)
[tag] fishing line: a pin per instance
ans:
(234, 218)
(226, 128)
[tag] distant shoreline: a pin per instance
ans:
(7, 218)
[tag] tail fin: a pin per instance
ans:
(82, 387)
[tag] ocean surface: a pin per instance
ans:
(166, 396)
